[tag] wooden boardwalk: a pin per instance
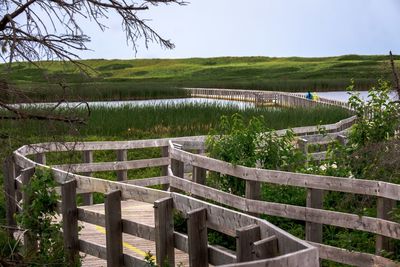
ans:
(134, 211)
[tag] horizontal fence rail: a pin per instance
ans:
(217, 218)
(270, 245)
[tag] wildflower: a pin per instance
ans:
(334, 166)
(322, 167)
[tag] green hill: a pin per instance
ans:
(144, 78)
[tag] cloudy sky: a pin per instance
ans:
(210, 28)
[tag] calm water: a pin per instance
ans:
(338, 95)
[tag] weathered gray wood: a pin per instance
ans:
(30, 242)
(253, 191)
(177, 168)
(199, 175)
(303, 145)
(384, 209)
(140, 230)
(112, 204)
(216, 255)
(91, 217)
(87, 198)
(245, 238)
(40, 158)
(93, 249)
(128, 191)
(113, 166)
(164, 169)
(9, 190)
(197, 237)
(315, 199)
(340, 184)
(164, 231)
(163, 180)
(70, 221)
(266, 248)
(122, 155)
(353, 258)
(352, 221)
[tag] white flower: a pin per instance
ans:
(334, 166)
(322, 167)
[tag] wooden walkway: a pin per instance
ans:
(134, 211)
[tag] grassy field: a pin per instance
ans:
(160, 78)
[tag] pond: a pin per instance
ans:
(337, 95)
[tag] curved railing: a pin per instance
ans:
(271, 246)
(174, 161)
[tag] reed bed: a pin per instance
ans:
(130, 122)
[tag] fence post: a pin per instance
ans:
(303, 145)
(40, 158)
(315, 198)
(87, 157)
(122, 155)
(70, 221)
(164, 231)
(245, 238)
(164, 169)
(199, 175)
(9, 188)
(197, 237)
(30, 242)
(112, 204)
(384, 207)
(253, 191)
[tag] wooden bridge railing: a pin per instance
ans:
(271, 246)
(268, 97)
(313, 214)
(20, 168)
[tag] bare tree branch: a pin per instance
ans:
(33, 30)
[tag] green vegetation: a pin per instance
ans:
(373, 152)
(41, 231)
(176, 120)
(160, 78)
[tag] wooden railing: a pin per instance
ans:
(174, 158)
(270, 245)
(283, 99)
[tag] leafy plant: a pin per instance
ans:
(377, 118)
(38, 218)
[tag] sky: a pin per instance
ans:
(275, 28)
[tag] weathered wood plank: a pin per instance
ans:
(352, 257)
(87, 198)
(149, 181)
(112, 204)
(113, 166)
(197, 237)
(352, 221)
(266, 248)
(9, 190)
(30, 242)
(384, 209)
(122, 155)
(93, 249)
(253, 191)
(164, 231)
(340, 184)
(314, 200)
(70, 221)
(245, 238)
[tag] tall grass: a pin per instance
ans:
(130, 122)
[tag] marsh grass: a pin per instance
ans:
(129, 122)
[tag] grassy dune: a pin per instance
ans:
(159, 78)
